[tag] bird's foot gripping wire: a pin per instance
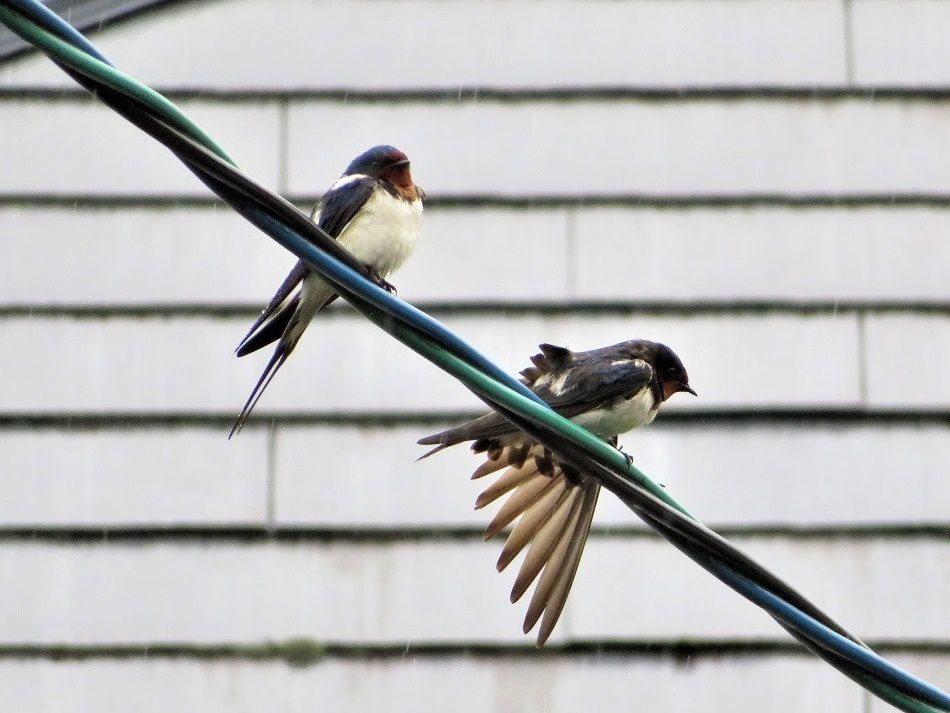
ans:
(614, 441)
(626, 456)
(386, 285)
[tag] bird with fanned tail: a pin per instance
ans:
(608, 391)
(375, 211)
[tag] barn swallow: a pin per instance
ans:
(375, 210)
(608, 391)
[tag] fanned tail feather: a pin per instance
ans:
(524, 496)
(543, 543)
(555, 514)
(567, 568)
(532, 519)
(549, 574)
(489, 467)
(509, 480)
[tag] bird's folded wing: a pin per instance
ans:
(342, 202)
(583, 385)
(272, 321)
(333, 213)
(554, 513)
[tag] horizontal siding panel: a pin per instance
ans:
(136, 256)
(616, 147)
(901, 42)
(873, 254)
(626, 588)
(760, 475)
(366, 477)
(132, 477)
(913, 344)
(202, 255)
(514, 44)
(781, 684)
(81, 147)
(872, 587)
(186, 363)
(185, 255)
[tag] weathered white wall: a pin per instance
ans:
(792, 246)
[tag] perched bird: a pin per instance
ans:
(375, 211)
(608, 391)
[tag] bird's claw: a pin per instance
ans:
(627, 457)
(388, 286)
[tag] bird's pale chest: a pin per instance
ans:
(384, 232)
(621, 417)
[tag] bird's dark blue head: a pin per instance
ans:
(667, 366)
(382, 161)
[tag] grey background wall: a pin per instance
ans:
(765, 186)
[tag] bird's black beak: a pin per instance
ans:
(688, 389)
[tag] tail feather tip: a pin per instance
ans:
(429, 452)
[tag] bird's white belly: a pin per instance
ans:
(384, 233)
(623, 417)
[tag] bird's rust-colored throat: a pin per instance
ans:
(400, 176)
(674, 387)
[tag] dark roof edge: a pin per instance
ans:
(83, 15)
